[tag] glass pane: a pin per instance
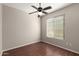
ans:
(50, 32)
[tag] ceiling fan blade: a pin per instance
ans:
(33, 12)
(34, 7)
(44, 12)
(46, 8)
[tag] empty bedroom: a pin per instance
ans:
(39, 29)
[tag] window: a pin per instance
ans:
(55, 27)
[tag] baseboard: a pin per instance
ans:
(62, 47)
(20, 46)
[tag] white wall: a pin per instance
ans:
(0, 29)
(19, 28)
(71, 39)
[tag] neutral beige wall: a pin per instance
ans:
(19, 28)
(71, 39)
(0, 29)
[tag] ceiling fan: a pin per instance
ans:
(40, 9)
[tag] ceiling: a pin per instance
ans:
(27, 6)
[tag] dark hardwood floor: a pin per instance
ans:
(39, 49)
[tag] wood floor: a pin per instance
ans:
(39, 49)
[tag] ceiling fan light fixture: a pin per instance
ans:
(40, 13)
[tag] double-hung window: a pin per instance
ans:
(55, 27)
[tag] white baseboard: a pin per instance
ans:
(20, 46)
(61, 47)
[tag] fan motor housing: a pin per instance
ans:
(40, 9)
